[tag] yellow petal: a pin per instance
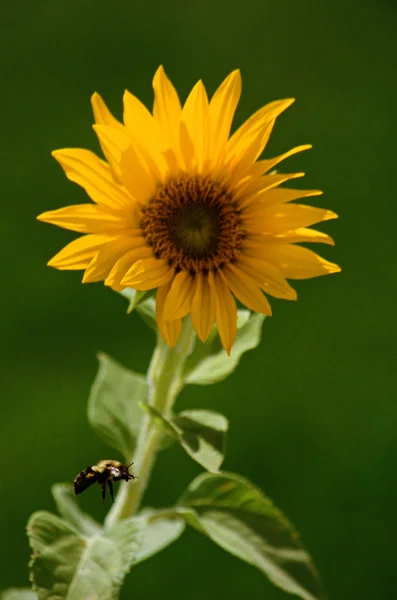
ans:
(147, 274)
(196, 118)
(94, 175)
(79, 253)
(277, 196)
(305, 235)
(241, 165)
(268, 277)
(179, 298)
(245, 289)
(279, 219)
(296, 262)
(146, 133)
(263, 166)
(139, 252)
(253, 132)
(127, 162)
(167, 108)
(254, 190)
(226, 311)
(89, 218)
(102, 114)
(105, 259)
(221, 113)
(203, 307)
(188, 159)
(170, 330)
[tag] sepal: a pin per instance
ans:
(144, 303)
(209, 363)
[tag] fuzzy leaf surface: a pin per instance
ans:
(18, 594)
(201, 433)
(113, 405)
(242, 520)
(158, 533)
(69, 509)
(134, 298)
(68, 565)
(209, 362)
(147, 311)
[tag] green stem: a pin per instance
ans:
(165, 383)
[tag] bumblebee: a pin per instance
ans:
(104, 473)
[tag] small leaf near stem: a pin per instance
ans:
(165, 382)
(209, 363)
(201, 433)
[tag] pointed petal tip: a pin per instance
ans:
(170, 341)
(86, 278)
(334, 268)
(126, 94)
(54, 263)
(331, 215)
(160, 72)
(95, 96)
(46, 217)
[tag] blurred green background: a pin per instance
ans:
(313, 417)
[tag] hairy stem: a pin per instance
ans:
(165, 383)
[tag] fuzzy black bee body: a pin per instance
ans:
(104, 473)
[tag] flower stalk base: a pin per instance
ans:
(165, 382)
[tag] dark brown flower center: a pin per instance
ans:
(193, 223)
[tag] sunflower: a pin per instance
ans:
(182, 207)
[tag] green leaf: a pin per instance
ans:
(209, 363)
(144, 303)
(147, 312)
(159, 532)
(69, 509)
(202, 434)
(134, 298)
(113, 405)
(18, 594)
(66, 564)
(241, 519)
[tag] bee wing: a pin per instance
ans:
(84, 479)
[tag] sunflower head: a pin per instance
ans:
(183, 207)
